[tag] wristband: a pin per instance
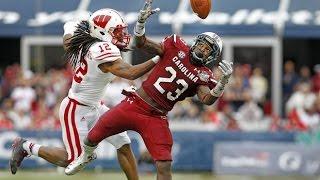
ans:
(139, 29)
(155, 59)
(218, 90)
(225, 79)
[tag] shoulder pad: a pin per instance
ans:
(104, 52)
(178, 40)
(175, 40)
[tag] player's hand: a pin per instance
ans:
(227, 69)
(146, 12)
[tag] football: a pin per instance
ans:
(201, 7)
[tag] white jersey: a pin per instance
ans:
(88, 87)
(89, 82)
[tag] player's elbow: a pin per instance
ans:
(66, 41)
(134, 76)
(134, 73)
(129, 76)
(65, 47)
(209, 101)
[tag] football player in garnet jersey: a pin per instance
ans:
(180, 73)
(93, 48)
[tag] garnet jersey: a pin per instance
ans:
(174, 77)
(89, 82)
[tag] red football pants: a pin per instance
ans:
(135, 114)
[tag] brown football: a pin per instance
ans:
(201, 7)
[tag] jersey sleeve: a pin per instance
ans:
(102, 52)
(165, 42)
(174, 41)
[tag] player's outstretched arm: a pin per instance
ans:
(148, 45)
(141, 41)
(127, 71)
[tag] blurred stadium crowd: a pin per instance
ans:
(32, 101)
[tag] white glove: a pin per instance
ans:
(145, 13)
(227, 69)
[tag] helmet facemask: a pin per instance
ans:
(215, 49)
(120, 36)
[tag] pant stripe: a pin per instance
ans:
(71, 129)
(75, 129)
(63, 126)
(69, 147)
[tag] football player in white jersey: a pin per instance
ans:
(93, 48)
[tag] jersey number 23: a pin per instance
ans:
(172, 78)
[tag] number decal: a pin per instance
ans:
(81, 71)
(178, 91)
(161, 79)
(169, 80)
(104, 47)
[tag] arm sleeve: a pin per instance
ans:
(104, 52)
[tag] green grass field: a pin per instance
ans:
(53, 175)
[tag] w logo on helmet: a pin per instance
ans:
(101, 20)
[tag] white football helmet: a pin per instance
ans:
(213, 41)
(108, 25)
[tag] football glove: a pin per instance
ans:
(227, 69)
(147, 11)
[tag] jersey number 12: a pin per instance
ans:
(81, 71)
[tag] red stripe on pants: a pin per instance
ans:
(68, 130)
(75, 130)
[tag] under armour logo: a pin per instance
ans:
(82, 119)
(130, 101)
(163, 117)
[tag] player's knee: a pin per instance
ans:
(163, 167)
(125, 149)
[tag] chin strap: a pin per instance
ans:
(199, 60)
